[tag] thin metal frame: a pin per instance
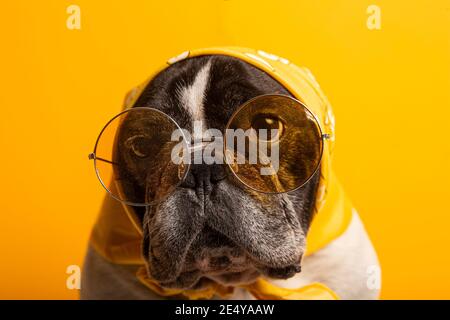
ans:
(321, 134)
(93, 156)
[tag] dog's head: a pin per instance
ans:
(211, 228)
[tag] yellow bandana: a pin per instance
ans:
(117, 234)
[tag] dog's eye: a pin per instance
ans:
(140, 145)
(268, 123)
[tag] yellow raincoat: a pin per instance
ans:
(117, 234)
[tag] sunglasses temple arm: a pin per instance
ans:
(92, 156)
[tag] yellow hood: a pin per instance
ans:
(117, 234)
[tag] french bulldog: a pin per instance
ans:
(209, 229)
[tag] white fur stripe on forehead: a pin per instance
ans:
(192, 96)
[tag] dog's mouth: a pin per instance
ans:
(229, 237)
(213, 257)
(226, 265)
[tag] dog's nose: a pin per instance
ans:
(203, 177)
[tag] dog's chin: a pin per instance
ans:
(199, 281)
(227, 273)
(231, 275)
(206, 263)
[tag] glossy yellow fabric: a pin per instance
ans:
(117, 234)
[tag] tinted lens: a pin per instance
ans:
(282, 144)
(133, 156)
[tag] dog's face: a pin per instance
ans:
(212, 228)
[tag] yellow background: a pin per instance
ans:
(389, 89)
